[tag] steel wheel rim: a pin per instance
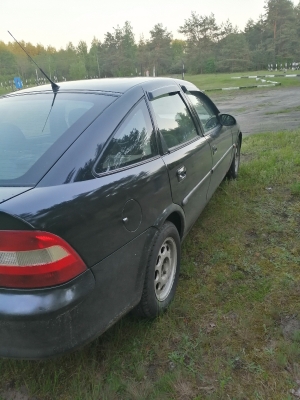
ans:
(165, 269)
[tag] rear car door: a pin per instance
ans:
(187, 153)
(220, 137)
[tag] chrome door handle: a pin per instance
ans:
(181, 173)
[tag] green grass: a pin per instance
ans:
(216, 81)
(3, 91)
(287, 82)
(230, 332)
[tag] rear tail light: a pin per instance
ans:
(34, 259)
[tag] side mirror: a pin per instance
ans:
(227, 120)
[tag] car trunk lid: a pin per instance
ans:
(7, 192)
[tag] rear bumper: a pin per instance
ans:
(38, 323)
(43, 323)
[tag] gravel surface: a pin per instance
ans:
(262, 110)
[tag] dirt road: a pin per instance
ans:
(262, 110)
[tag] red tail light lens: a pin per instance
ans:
(34, 259)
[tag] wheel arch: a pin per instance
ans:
(240, 136)
(174, 214)
(176, 219)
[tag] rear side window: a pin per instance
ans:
(30, 125)
(174, 120)
(133, 142)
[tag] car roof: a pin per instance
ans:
(111, 85)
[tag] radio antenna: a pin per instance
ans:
(55, 87)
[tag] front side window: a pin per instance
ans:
(174, 120)
(207, 116)
(133, 142)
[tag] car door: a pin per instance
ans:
(187, 153)
(133, 174)
(219, 137)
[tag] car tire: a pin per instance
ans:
(162, 273)
(234, 167)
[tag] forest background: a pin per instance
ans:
(207, 48)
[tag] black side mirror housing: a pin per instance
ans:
(227, 120)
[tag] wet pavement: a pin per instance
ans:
(262, 110)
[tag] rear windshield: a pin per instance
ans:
(35, 130)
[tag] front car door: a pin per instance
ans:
(219, 136)
(187, 153)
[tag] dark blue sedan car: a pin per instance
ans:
(100, 181)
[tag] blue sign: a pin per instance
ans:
(18, 83)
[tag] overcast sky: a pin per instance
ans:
(57, 22)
